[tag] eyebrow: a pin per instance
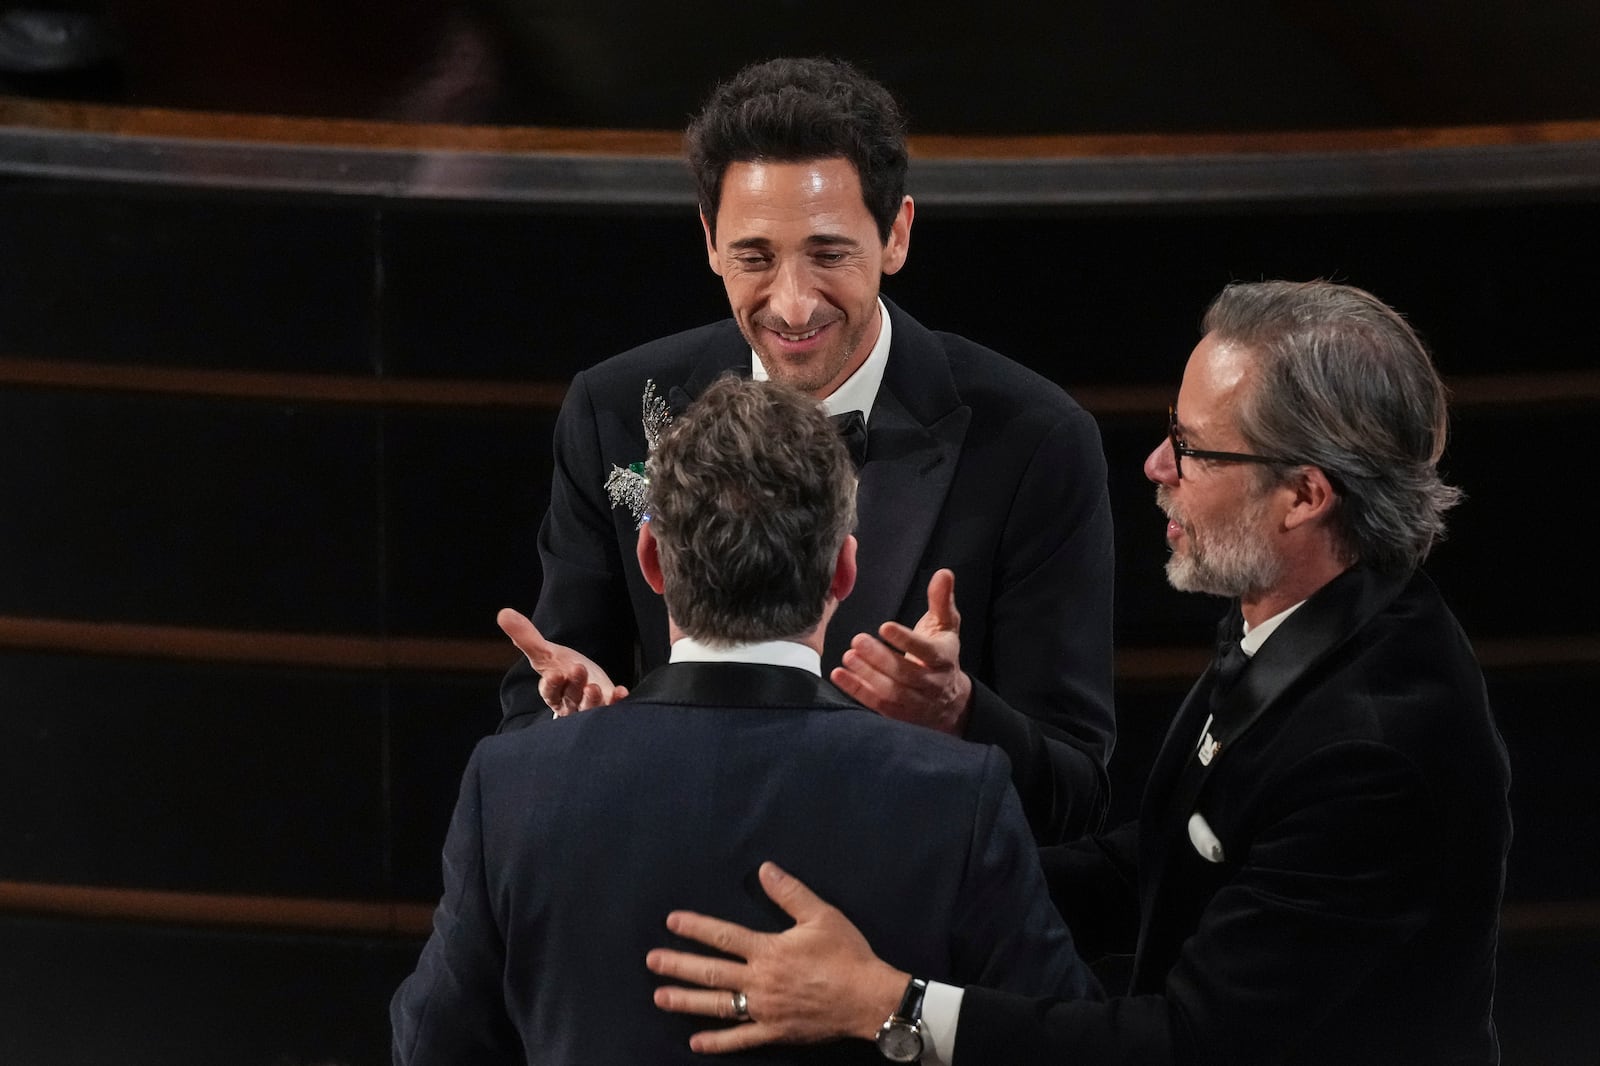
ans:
(816, 240)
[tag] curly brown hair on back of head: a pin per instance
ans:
(751, 495)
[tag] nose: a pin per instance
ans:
(792, 297)
(1161, 465)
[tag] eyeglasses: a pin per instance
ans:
(1180, 449)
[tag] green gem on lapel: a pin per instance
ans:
(626, 487)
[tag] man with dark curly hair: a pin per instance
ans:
(968, 462)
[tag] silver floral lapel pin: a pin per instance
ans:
(627, 485)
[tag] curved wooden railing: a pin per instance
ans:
(541, 165)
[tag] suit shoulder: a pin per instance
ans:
(1416, 638)
(1408, 680)
(982, 375)
(916, 748)
(513, 748)
(1016, 411)
(823, 733)
(1016, 405)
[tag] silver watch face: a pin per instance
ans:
(900, 1041)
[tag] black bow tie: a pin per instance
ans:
(853, 428)
(1228, 665)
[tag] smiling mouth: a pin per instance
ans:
(794, 338)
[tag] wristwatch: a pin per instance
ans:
(900, 1039)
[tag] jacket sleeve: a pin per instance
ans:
(1094, 883)
(583, 597)
(452, 1008)
(1005, 932)
(1047, 702)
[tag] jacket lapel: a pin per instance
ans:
(915, 434)
(1327, 620)
(731, 352)
(1177, 749)
(901, 492)
(1332, 616)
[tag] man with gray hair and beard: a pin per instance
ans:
(571, 842)
(1316, 870)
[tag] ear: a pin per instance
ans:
(844, 570)
(899, 243)
(1313, 497)
(649, 555)
(711, 247)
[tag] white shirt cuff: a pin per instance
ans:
(941, 1013)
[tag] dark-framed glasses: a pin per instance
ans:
(1181, 449)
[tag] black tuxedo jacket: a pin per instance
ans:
(973, 463)
(1326, 889)
(570, 845)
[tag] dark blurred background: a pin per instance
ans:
(1066, 67)
(279, 362)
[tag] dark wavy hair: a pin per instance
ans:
(797, 110)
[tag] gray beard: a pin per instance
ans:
(1230, 560)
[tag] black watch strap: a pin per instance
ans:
(900, 1038)
(910, 1008)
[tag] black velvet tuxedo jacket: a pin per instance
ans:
(1326, 890)
(973, 463)
(570, 845)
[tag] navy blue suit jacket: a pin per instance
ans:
(973, 463)
(570, 845)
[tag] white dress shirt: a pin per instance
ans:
(859, 391)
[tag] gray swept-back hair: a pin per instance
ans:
(751, 494)
(1343, 383)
